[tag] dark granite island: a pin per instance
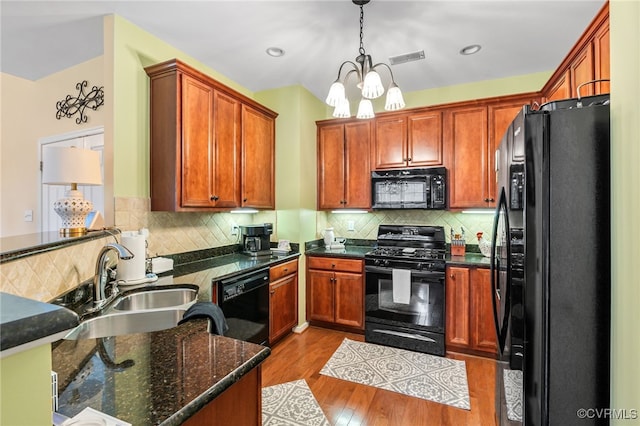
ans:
(170, 377)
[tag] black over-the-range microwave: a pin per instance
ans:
(409, 188)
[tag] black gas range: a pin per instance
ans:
(405, 290)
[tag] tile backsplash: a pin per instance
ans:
(45, 276)
(366, 225)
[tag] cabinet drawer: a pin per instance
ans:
(279, 271)
(334, 264)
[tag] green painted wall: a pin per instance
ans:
(132, 49)
(25, 388)
(625, 231)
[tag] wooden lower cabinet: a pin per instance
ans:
(335, 292)
(469, 311)
(283, 300)
(239, 405)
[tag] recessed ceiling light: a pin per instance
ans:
(470, 50)
(275, 52)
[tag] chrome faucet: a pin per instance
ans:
(102, 273)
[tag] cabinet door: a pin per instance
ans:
(197, 156)
(581, 72)
(390, 142)
(601, 57)
(483, 331)
(283, 306)
(331, 166)
(320, 296)
(468, 158)
(226, 122)
(500, 117)
(424, 139)
(357, 179)
(561, 89)
(457, 333)
(349, 299)
(258, 159)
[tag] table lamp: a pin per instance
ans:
(71, 166)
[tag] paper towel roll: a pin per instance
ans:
(132, 269)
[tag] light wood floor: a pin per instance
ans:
(302, 356)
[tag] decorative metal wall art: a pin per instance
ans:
(72, 105)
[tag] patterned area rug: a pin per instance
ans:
(513, 394)
(425, 376)
(291, 404)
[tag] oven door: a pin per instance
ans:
(425, 307)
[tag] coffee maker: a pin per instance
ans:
(256, 239)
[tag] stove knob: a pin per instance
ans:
(376, 262)
(420, 266)
(385, 262)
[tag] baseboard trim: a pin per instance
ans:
(300, 328)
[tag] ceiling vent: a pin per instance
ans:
(407, 57)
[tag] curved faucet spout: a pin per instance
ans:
(101, 277)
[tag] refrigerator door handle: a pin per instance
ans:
(496, 267)
(492, 266)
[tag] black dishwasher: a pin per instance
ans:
(244, 300)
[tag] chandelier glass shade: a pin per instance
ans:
(368, 81)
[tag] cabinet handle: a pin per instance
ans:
(214, 198)
(453, 277)
(244, 200)
(333, 265)
(272, 292)
(286, 269)
(491, 200)
(409, 159)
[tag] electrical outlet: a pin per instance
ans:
(351, 225)
(235, 229)
(28, 215)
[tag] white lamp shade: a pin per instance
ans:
(343, 109)
(336, 94)
(67, 165)
(365, 109)
(395, 101)
(372, 87)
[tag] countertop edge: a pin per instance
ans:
(212, 393)
(27, 323)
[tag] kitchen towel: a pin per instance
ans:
(401, 281)
(211, 311)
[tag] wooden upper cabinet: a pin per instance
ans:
(408, 140)
(588, 60)
(198, 151)
(331, 166)
(561, 88)
(258, 159)
(226, 151)
(425, 139)
(211, 147)
(390, 146)
(601, 52)
(582, 72)
(343, 165)
(466, 136)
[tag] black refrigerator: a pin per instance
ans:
(551, 265)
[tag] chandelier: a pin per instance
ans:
(368, 81)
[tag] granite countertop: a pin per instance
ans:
(469, 259)
(158, 378)
(350, 251)
(358, 250)
(26, 323)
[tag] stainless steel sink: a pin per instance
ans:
(156, 299)
(118, 323)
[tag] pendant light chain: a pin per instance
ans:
(369, 82)
(361, 25)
